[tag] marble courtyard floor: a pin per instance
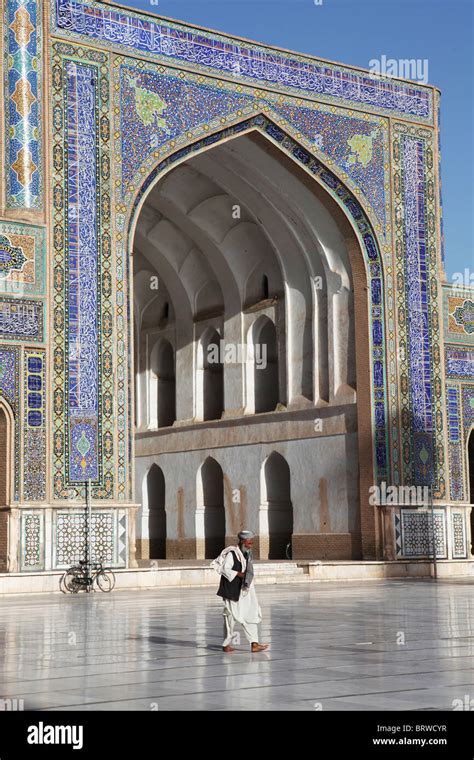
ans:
(386, 645)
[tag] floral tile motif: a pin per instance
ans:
(23, 117)
(463, 316)
(22, 259)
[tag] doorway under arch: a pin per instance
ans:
(156, 493)
(264, 365)
(162, 391)
(210, 377)
(211, 503)
(276, 501)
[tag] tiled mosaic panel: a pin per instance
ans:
(22, 259)
(459, 363)
(107, 537)
(83, 322)
(21, 319)
(83, 270)
(437, 110)
(34, 451)
(418, 313)
(461, 315)
(455, 444)
(455, 457)
(161, 110)
(243, 61)
(23, 128)
(458, 535)
(10, 390)
(454, 422)
(417, 534)
(460, 412)
(468, 407)
(32, 541)
(458, 312)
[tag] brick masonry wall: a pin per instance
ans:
(329, 546)
(184, 548)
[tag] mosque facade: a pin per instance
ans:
(223, 302)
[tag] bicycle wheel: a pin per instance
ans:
(105, 580)
(288, 550)
(69, 580)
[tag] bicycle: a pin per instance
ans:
(84, 575)
(288, 550)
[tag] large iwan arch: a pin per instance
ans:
(201, 229)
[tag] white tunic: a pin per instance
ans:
(247, 609)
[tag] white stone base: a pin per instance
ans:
(183, 575)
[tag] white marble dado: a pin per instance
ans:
(183, 575)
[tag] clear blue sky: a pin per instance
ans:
(354, 32)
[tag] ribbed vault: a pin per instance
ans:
(230, 229)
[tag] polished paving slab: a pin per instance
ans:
(386, 645)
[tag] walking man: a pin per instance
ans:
(237, 589)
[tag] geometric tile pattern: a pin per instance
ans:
(455, 445)
(458, 534)
(32, 541)
(398, 533)
(29, 278)
(34, 451)
(70, 528)
(468, 408)
(417, 533)
(243, 61)
(23, 128)
(21, 319)
(83, 323)
(122, 538)
(454, 421)
(455, 457)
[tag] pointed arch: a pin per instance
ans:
(276, 508)
(210, 513)
(359, 232)
(210, 376)
(156, 501)
(162, 385)
(262, 366)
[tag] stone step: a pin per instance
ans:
(283, 568)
